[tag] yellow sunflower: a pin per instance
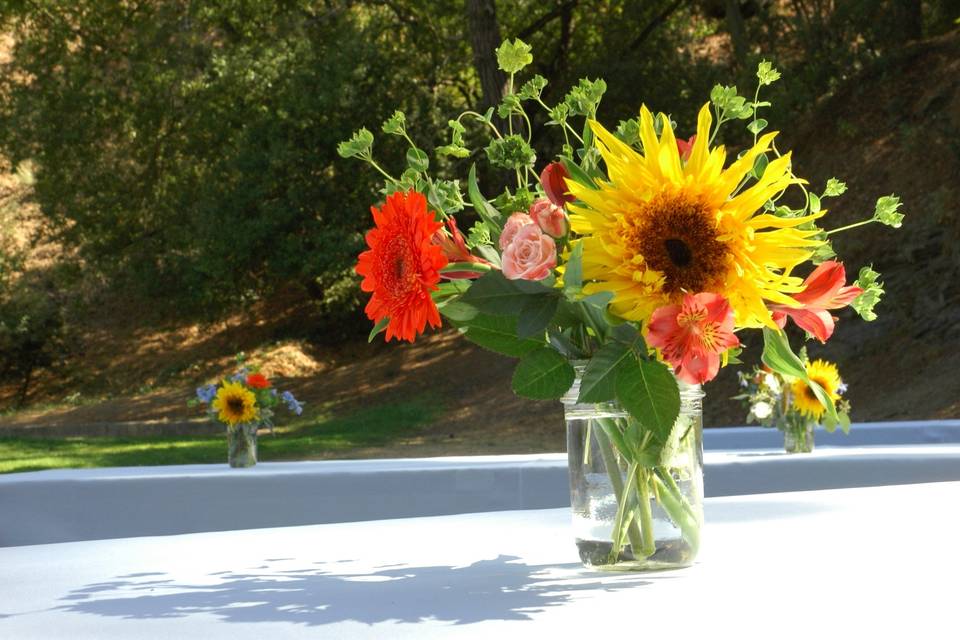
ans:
(235, 404)
(826, 375)
(660, 227)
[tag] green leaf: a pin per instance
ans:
(573, 270)
(583, 99)
(509, 106)
(778, 355)
(648, 390)
(359, 144)
(445, 195)
(489, 254)
(757, 126)
(543, 374)
(599, 382)
(629, 131)
(497, 333)
(511, 152)
(766, 74)
(495, 295)
(834, 188)
(626, 332)
(378, 328)
(533, 87)
(479, 235)
(417, 160)
(814, 203)
(536, 314)
(844, 422)
(395, 124)
(559, 113)
(514, 56)
(729, 103)
(824, 399)
(869, 281)
(887, 211)
(483, 208)
(453, 150)
(823, 253)
(760, 165)
(578, 174)
(457, 310)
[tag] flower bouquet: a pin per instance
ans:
(244, 403)
(786, 403)
(619, 276)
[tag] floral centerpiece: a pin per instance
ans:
(619, 275)
(244, 403)
(786, 403)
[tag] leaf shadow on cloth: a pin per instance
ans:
(503, 588)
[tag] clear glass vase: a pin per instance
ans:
(242, 445)
(798, 438)
(635, 515)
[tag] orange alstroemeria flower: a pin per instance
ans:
(824, 290)
(692, 335)
(685, 147)
(455, 248)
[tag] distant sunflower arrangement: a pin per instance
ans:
(788, 404)
(244, 403)
(629, 263)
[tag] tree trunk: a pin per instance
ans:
(25, 386)
(738, 32)
(484, 39)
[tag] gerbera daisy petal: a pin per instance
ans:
(402, 266)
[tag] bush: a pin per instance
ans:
(188, 149)
(31, 331)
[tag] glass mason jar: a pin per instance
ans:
(798, 438)
(242, 445)
(634, 515)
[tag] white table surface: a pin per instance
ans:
(846, 563)
(68, 505)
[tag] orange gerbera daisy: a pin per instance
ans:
(402, 266)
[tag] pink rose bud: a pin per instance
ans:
(550, 217)
(530, 255)
(553, 180)
(514, 224)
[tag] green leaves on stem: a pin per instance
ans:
(869, 281)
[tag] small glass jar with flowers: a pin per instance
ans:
(244, 403)
(782, 402)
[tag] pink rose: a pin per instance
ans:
(530, 255)
(550, 217)
(514, 224)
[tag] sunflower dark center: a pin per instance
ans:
(677, 235)
(235, 405)
(678, 251)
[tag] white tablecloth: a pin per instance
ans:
(847, 563)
